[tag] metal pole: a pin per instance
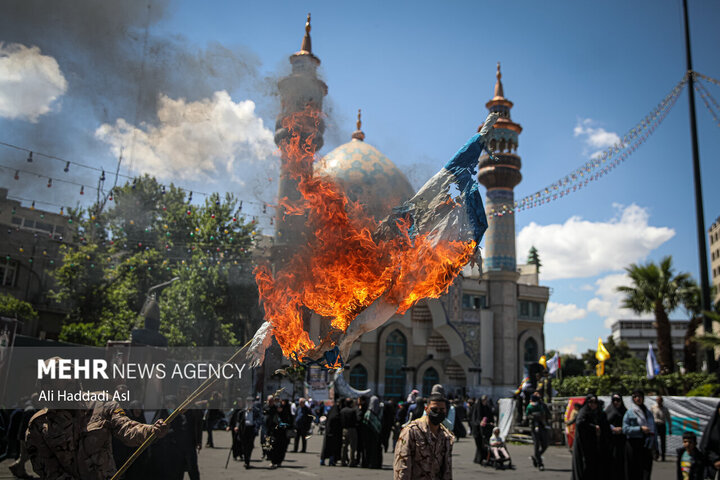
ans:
(702, 248)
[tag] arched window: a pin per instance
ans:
(358, 377)
(430, 378)
(531, 352)
(395, 358)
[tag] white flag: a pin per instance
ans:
(553, 364)
(651, 364)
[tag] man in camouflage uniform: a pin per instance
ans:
(77, 444)
(424, 448)
(73, 440)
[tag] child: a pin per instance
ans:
(497, 446)
(690, 460)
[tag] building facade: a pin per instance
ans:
(30, 241)
(639, 333)
(477, 338)
(714, 235)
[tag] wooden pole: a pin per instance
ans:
(191, 398)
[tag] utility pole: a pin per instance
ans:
(702, 248)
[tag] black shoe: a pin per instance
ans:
(247, 466)
(541, 467)
(534, 462)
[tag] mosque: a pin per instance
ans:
(478, 337)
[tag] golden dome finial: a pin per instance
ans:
(306, 43)
(498, 85)
(359, 134)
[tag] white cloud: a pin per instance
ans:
(596, 138)
(30, 82)
(571, 349)
(195, 140)
(607, 302)
(581, 248)
(563, 313)
(579, 339)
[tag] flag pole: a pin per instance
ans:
(699, 211)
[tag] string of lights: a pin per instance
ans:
(707, 98)
(705, 77)
(32, 157)
(602, 164)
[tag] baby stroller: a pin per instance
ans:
(497, 453)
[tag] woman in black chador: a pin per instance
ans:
(332, 443)
(615, 413)
(277, 424)
(592, 441)
(710, 443)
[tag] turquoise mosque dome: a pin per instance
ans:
(366, 175)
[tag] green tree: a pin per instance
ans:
(534, 258)
(622, 361)
(147, 235)
(656, 289)
(12, 307)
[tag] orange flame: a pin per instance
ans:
(346, 264)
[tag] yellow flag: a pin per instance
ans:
(600, 369)
(543, 362)
(602, 354)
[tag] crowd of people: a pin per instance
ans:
(358, 432)
(621, 443)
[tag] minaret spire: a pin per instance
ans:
(307, 42)
(359, 134)
(306, 47)
(498, 85)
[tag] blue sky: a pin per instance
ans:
(188, 90)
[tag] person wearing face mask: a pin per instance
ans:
(639, 428)
(592, 439)
(424, 448)
(614, 414)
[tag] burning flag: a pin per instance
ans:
(356, 274)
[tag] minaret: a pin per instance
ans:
(500, 175)
(299, 90)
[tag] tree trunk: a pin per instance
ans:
(664, 340)
(690, 346)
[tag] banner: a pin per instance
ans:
(506, 414)
(317, 383)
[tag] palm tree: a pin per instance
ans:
(657, 290)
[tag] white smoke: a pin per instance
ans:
(194, 140)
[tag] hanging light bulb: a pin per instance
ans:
(111, 194)
(163, 190)
(240, 207)
(264, 208)
(102, 176)
(82, 190)
(62, 211)
(49, 182)
(134, 182)
(67, 167)
(190, 197)
(29, 159)
(32, 207)
(17, 174)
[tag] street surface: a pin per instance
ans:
(307, 465)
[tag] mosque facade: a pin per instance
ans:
(481, 335)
